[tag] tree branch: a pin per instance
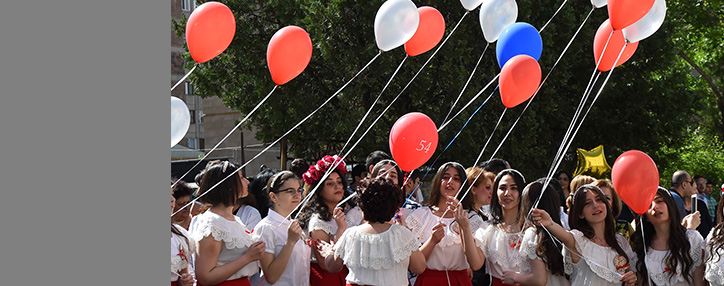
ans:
(704, 75)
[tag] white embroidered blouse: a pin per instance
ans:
(500, 249)
(234, 235)
(180, 251)
(597, 267)
(528, 253)
(449, 253)
(656, 259)
(377, 259)
(714, 272)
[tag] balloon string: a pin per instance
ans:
(466, 83)
(183, 78)
(554, 15)
(443, 151)
(394, 99)
(588, 110)
(646, 252)
(373, 104)
(289, 131)
(444, 124)
(476, 163)
(227, 135)
(580, 255)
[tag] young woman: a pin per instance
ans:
(623, 227)
(564, 179)
(674, 255)
(594, 254)
(538, 251)
(499, 241)
(286, 258)
(576, 183)
(377, 252)
(441, 241)
(715, 249)
(321, 219)
(385, 169)
(181, 249)
(225, 252)
(481, 192)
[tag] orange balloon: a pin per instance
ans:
(209, 31)
(626, 12)
(429, 31)
(615, 44)
(288, 53)
(519, 79)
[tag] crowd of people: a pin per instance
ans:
(484, 225)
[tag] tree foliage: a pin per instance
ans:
(647, 103)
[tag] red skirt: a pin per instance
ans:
(173, 283)
(436, 277)
(319, 277)
(498, 282)
(243, 281)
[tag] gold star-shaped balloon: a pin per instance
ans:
(592, 163)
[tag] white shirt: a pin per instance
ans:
(656, 259)
(236, 240)
(249, 215)
(714, 272)
(449, 253)
(297, 270)
(180, 251)
(500, 249)
(354, 217)
(528, 253)
(377, 259)
(596, 268)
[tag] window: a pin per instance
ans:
(189, 88)
(192, 114)
(186, 5)
(192, 143)
(201, 143)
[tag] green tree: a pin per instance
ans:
(648, 102)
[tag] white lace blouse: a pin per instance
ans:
(234, 235)
(354, 217)
(329, 227)
(527, 253)
(180, 251)
(597, 267)
(500, 249)
(296, 272)
(449, 253)
(714, 272)
(377, 259)
(656, 259)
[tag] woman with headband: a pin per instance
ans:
(595, 255)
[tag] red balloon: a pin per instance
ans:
(429, 31)
(626, 12)
(636, 179)
(413, 140)
(288, 53)
(519, 79)
(615, 44)
(209, 31)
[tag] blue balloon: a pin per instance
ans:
(516, 39)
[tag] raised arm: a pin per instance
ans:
(542, 218)
(473, 254)
(274, 266)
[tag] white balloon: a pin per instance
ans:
(599, 3)
(495, 16)
(395, 23)
(470, 5)
(648, 25)
(180, 120)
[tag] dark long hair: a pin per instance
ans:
(316, 203)
(580, 224)
(717, 233)
(435, 195)
(549, 202)
(496, 210)
(678, 243)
